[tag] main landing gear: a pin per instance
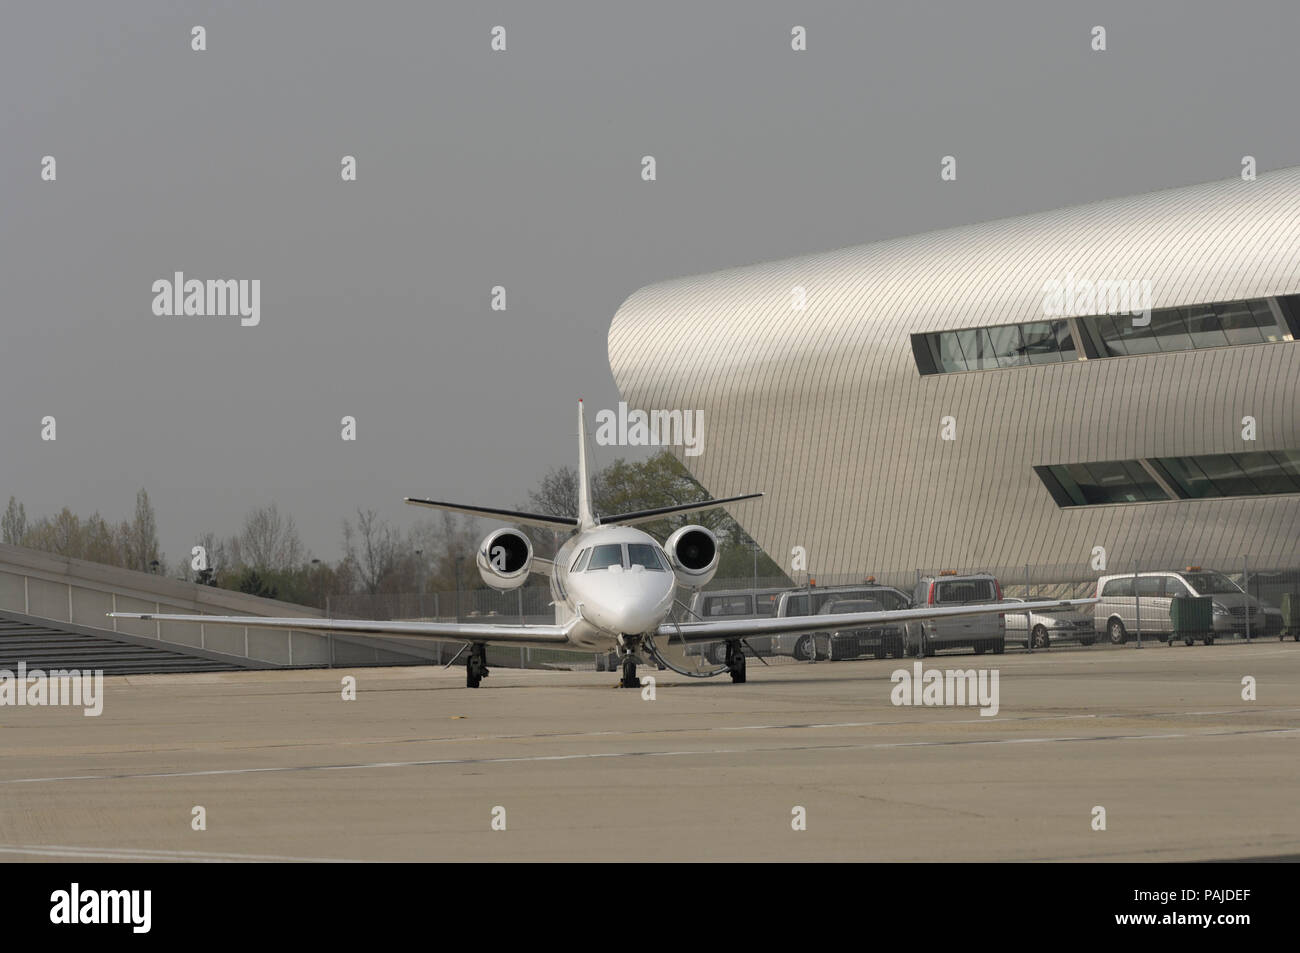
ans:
(476, 666)
(736, 660)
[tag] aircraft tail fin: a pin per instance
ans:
(585, 518)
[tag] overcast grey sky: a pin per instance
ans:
(520, 169)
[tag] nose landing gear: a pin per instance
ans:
(629, 646)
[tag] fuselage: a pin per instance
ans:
(616, 580)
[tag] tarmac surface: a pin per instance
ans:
(413, 769)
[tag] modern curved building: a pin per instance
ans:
(1075, 426)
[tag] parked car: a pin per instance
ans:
(1049, 627)
(814, 601)
(836, 644)
(714, 604)
(979, 632)
(1126, 599)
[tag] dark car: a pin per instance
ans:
(836, 644)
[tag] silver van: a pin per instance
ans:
(979, 632)
(815, 601)
(1126, 599)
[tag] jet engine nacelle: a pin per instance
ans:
(693, 551)
(504, 559)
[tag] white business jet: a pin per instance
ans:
(613, 588)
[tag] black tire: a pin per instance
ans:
(1209, 640)
(879, 651)
(1186, 641)
(1115, 632)
(927, 647)
(718, 653)
(999, 646)
(979, 648)
(1087, 641)
(801, 647)
(1039, 637)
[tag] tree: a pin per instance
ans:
(14, 522)
(142, 535)
(270, 541)
(371, 548)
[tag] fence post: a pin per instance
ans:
(1137, 604)
(1245, 587)
(1029, 616)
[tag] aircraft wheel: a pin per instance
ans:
(629, 679)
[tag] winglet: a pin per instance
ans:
(585, 519)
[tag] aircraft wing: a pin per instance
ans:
(557, 635)
(741, 628)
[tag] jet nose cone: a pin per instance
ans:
(634, 602)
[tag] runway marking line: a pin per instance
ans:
(443, 762)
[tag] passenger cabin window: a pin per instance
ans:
(645, 555)
(602, 557)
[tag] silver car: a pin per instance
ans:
(1049, 627)
(1127, 601)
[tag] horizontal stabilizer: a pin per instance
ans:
(496, 513)
(646, 516)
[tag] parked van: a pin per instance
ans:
(979, 632)
(1126, 599)
(816, 601)
(709, 605)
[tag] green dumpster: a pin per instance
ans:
(1192, 617)
(1290, 616)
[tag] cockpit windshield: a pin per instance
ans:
(602, 557)
(645, 555)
